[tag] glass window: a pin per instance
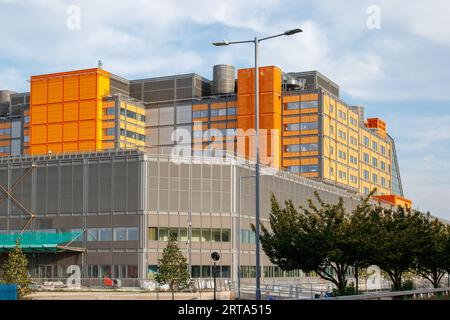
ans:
(302, 126)
(183, 235)
(231, 111)
(105, 234)
(214, 112)
(196, 272)
(153, 234)
(293, 105)
(174, 232)
(206, 235)
(132, 271)
(206, 271)
(196, 235)
(366, 174)
(132, 234)
(105, 270)
(226, 235)
(383, 165)
(110, 131)
(383, 182)
(383, 150)
(163, 234)
(225, 272)
(366, 158)
(374, 162)
(120, 234)
(375, 145)
(366, 141)
(374, 178)
(215, 235)
(92, 234)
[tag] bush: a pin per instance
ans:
(350, 290)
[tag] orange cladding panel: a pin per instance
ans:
(55, 112)
(55, 90)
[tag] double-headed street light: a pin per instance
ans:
(256, 42)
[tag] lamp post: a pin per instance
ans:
(256, 42)
(215, 257)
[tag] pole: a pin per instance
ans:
(214, 275)
(258, 271)
(239, 242)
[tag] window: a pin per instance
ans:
(110, 111)
(374, 162)
(302, 126)
(375, 145)
(331, 130)
(331, 150)
(331, 108)
(383, 182)
(366, 191)
(366, 141)
(110, 131)
(383, 166)
(342, 155)
(331, 172)
(104, 234)
(132, 234)
(302, 147)
(196, 235)
(383, 150)
(92, 234)
(374, 178)
(303, 169)
(120, 234)
(366, 175)
(231, 111)
(366, 158)
(153, 234)
(226, 235)
(200, 114)
(215, 235)
(206, 235)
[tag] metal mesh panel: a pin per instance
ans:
(41, 187)
(132, 186)
(120, 186)
(93, 188)
(105, 187)
(78, 188)
(66, 189)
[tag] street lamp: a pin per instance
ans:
(215, 256)
(256, 42)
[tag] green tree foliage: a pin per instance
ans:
(431, 255)
(397, 234)
(15, 271)
(172, 267)
(318, 238)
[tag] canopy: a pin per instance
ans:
(31, 242)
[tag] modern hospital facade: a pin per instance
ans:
(90, 174)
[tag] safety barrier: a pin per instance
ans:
(8, 292)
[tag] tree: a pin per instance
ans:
(15, 271)
(430, 256)
(317, 238)
(172, 267)
(396, 238)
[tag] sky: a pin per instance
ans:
(390, 56)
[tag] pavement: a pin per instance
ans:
(114, 295)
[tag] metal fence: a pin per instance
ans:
(195, 285)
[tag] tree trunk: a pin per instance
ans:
(173, 291)
(356, 279)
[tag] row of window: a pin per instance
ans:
(302, 147)
(302, 105)
(5, 131)
(197, 234)
(132, 115)
(366, 141)
(232, 111)
(303, 169)
(131, 134)
(113, 234)
(197, 271)
(302, 126)
(115, 271)
(374, 178)
(198, 134)
(366, 159)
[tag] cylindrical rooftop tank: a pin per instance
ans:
(223, 79)
(5, 95)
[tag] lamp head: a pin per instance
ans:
(293, 31)
(222, 43)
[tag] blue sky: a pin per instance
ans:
(399, 71)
